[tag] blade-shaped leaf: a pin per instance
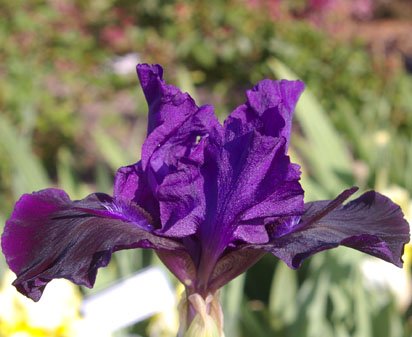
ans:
(28, 173)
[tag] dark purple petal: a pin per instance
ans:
(180, 264)
(247, 182)
(181, 202)
(131, 185)
(181, 197)
(168, 108)
(248, 179)
(231, 265)
(178, 144)
(49, 236)
(251, 233)
(371, 223)
(268, 110)
(177, 204)
(174, 118)
(176, 125)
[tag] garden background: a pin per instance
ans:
(72, 112)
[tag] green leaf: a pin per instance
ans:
(185, 82)
(232, 299)
(65, 174)
(283, 292)
(67, 178)
(362, 315)
(28, 173)
(111, 150)
(251, 323)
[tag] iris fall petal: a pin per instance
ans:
(49, 236)
(371, 223)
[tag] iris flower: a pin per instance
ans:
(210, 199)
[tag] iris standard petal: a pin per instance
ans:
(168, 108)
(268, 110)
(371, 223)
(131, 185)
(169, 111)
(254, 178)
(246, 181)
(176, 124)
(179, 144)
(49, 236)
(243, 180)
(182, 207)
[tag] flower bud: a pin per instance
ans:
(201, 317)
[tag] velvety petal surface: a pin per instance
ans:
(49, 236)
(180, 263)
(131, 185)
(248, 179)
(181, 201)
(176, 127)
(268, 110)
(232, 264)
(174, 119)
(371, 223)
(179, 144)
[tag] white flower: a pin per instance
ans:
(126, 64)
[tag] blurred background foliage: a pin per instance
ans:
(71, 113)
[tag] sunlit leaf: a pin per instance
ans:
(28, 173)
(232, 299)
(282, 300)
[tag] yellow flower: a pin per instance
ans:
(56, 315)
(403, 199)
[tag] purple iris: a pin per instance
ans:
(210, 199)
